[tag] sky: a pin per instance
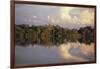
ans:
(66, 17)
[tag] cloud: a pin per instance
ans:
(87, 17)
(67, 17)
(83, 15)
(25, 12)
(76, 17)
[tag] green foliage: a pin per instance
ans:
(51, 35)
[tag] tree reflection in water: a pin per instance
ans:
(52, 35)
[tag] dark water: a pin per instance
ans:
(64, 53)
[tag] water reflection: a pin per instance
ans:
(64, 53)
(77, 51)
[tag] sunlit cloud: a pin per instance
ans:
(87, 17)
(79, 15)
(34, 16)
(75, 19)
(48, 17)
(64, 12)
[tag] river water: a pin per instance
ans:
(64, 53)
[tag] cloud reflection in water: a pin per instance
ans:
(76, 52)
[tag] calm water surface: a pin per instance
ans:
(64, 53)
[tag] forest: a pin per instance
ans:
(52, 35)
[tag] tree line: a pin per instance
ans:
(52, 35)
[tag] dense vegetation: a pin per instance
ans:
(52, 35)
